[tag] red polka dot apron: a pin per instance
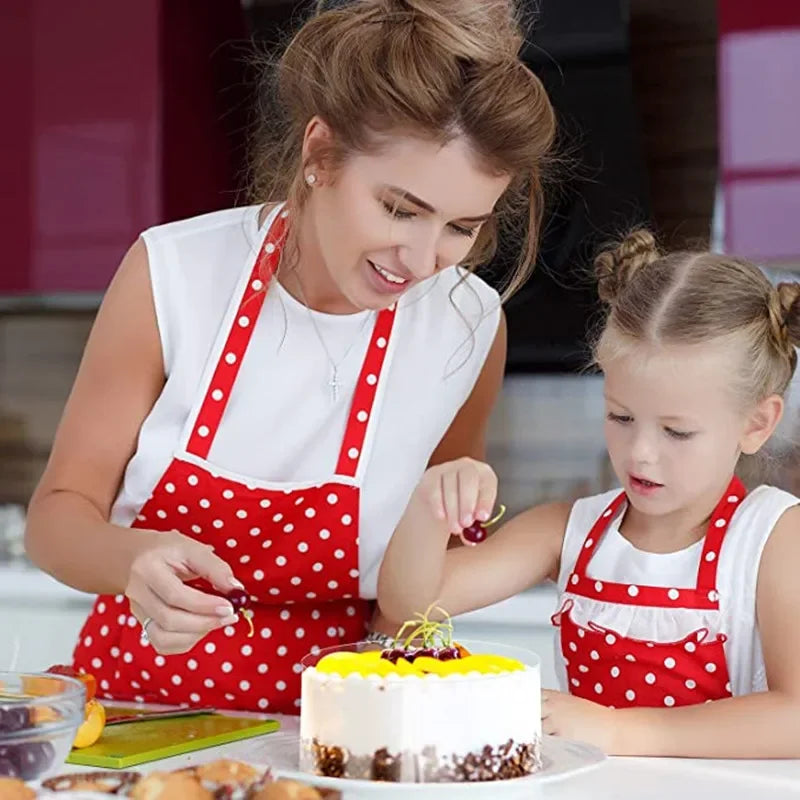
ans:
(618, 671)
(295, 547)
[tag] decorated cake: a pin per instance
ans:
(424, 710)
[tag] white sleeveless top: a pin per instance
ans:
(281, 423)
(617, 560)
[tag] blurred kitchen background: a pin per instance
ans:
(683, 114)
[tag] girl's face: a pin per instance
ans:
(387, 221)
(673, 428)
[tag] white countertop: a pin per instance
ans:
(615, 779)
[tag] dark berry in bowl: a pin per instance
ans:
(33, 758)
(14, 718)
(8, 769)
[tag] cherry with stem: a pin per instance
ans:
(476, 532)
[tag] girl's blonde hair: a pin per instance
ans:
(436, 69)
(695, 297)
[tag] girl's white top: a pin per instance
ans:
(617, 560)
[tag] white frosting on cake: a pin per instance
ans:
(457, 714)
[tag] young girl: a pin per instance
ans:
(678, 594)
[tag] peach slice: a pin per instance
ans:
(90, 730)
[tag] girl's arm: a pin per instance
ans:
(466, 435)
(761, 725)
(418, 570)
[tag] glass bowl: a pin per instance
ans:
(39, 716)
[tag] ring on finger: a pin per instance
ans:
(143, 637)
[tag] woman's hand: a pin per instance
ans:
(179, 615)
(459, 493)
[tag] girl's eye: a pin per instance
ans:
(681, 435)
(622, 419)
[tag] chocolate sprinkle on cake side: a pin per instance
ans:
(507, 761)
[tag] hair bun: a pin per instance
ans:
(615, 266)
(487, 30)
(789, 300)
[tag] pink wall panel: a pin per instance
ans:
(759, 99)
(115, 120)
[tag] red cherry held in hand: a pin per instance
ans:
(238, 598)
(476, 533)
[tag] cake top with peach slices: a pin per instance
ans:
(421, 647)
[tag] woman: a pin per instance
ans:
(264, 386)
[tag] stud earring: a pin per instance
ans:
(311, 179)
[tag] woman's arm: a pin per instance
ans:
(761, 725)
(120, 376)
(418, 570)
(68, 533)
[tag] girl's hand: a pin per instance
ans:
(579, 719)
(459, 493)
(180, 615)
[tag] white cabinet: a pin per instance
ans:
(537, 638)
(521, 621)
(39, 619)
(44, 633)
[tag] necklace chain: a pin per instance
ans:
(334, 381)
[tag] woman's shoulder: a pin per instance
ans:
(238, 220)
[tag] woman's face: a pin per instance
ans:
(387, 221)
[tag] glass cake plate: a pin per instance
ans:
(561, 758)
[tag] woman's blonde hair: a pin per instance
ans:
(691, 297)
(436, 69)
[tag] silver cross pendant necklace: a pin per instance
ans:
(333, 383)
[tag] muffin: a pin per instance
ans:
(170, 786)
(285, 790)
(102, 782)
(225, 772)
(15, 789)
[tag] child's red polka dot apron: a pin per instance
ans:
(607, 667)
(295, 548)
